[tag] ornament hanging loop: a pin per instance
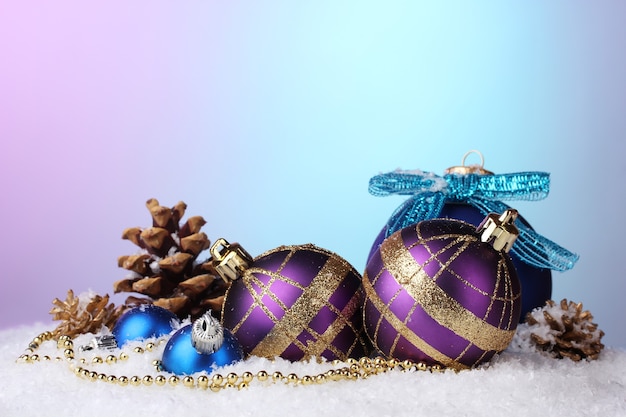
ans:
(469, 169)
(230, 259)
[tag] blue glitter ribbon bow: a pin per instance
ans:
(430, 192)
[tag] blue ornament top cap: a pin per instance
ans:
(485, 192)
(207, 334)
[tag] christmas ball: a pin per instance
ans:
(297, 302)
(442, 293)
(201, 346)
(536, 282)
(142, 322)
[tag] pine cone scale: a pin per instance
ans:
(192, 225)
(176, 263)
(161, 216)
(133, 234)
(196, 285)
(123, 285)
(174, 304)
(135, 263)
(195, 243)
(157, 240)
(148, 286)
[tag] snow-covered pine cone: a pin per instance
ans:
(565, 330)
(166, 270)
(85, 313)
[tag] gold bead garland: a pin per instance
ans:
(351, 369)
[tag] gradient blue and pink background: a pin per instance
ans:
(268, 118)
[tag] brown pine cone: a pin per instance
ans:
(565, 331)
(81, 314)
(166, 270)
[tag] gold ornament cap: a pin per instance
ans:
(230, 259)
(469, 169)
(499, 230)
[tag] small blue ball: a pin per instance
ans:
(181, 358)
(142, 322)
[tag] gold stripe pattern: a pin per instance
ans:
(436, 302)
(324, 341)
(402, 328)
(297, 318)
(248, 279)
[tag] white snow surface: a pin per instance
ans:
(519, 382)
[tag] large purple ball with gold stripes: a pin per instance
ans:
(297, 302)
(536, 282)
(435, 293)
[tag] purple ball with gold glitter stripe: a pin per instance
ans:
(297, 302)
(536, 282)
(435, 293)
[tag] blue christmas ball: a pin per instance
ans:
(201, 346)
(142, 322)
